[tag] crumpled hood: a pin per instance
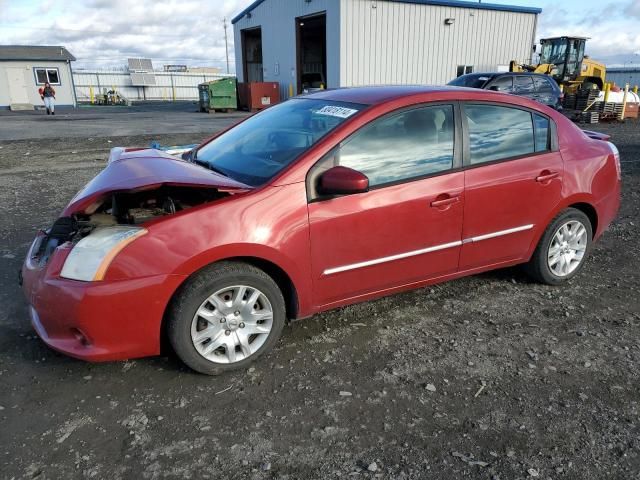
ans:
(140, 169)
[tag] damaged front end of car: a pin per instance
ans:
(138, 187)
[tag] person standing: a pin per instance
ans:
(48, 94)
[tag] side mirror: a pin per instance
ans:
(188, 155)
(343, 181)
(495, 88)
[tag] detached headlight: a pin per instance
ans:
(91, 256)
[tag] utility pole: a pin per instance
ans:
(226, 42)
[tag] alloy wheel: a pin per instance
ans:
(567, 248)
(232, 324)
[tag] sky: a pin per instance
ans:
(104, 33)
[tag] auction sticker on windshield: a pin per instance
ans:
(333, 111)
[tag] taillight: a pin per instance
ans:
(616, 156)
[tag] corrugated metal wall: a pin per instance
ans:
(390, 42)
(630, 76)
(277, 20)
(184, 85)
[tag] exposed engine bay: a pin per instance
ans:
(122, 208)
(136, 208)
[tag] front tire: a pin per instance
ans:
(225, 317)
(563, 248)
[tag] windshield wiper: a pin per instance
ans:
(208, 166)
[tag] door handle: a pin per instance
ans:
(443, 201)
(546, 176)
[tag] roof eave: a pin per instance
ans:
(239, 17)
(48, 59)
(444, 3)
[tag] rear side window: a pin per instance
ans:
(406, 145)
(497, 132)
(502, 84)
(543, 85)
(542, 133)
(524, 84)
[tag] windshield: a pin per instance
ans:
(474, 80)
(554, 51)
(262, 146)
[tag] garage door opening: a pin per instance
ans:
(312, 52)
(252, 55)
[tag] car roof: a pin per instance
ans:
(405, 95)
(378, 94)
(496, 74)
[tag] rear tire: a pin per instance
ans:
(225, 317)
(563, 248)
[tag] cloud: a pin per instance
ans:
(104, 33)
(633, 9)
(612, 29)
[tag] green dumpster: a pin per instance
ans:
(218, 95)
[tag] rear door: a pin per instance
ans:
(513, 179)
(408, 226)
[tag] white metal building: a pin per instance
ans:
(371, 42)
(24, 69)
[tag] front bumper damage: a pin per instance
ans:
(96, 321)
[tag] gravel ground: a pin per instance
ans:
(490, 377)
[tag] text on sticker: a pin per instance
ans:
(340, 112)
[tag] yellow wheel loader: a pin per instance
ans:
(563, 59)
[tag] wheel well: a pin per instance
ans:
(279, 276)
(275, 272)
(590, 212)
(595, 80)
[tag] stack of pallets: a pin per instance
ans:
(610, 110)
(618, 110)
(569, 102)
(585, 98)
(589, 117)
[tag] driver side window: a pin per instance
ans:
(401, 146)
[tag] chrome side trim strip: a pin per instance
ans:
(377, 261)
(499, 234)
(391, 258)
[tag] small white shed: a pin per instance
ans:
(372, 42)
(25, 68)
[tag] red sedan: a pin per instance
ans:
(319, 202)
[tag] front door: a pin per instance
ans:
(512, 181)
(407, 228)
(17, 88)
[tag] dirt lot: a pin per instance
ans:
(488, 377)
